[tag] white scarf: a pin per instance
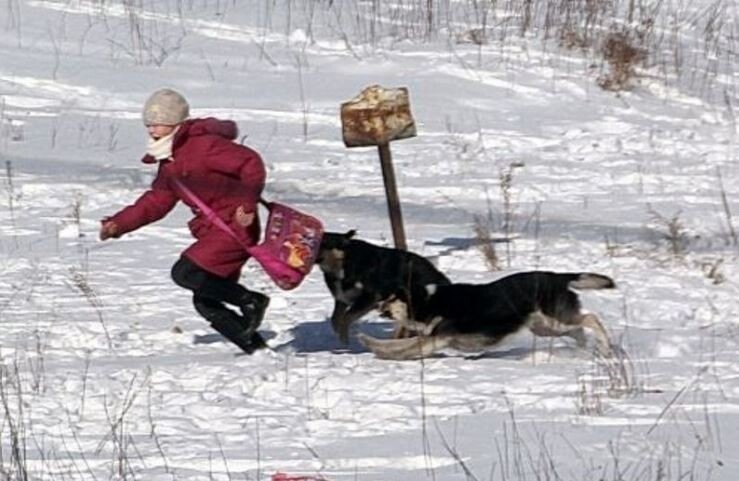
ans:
(161, 149)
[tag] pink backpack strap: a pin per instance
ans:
(209, 214)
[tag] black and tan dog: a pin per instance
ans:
(362, 277)
(472, 317)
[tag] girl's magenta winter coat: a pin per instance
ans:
(223, 174)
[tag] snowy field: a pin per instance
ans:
(108, 373)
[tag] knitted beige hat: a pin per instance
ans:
(165, 107)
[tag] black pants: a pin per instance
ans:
(210, 292)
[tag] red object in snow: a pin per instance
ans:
(289, 477)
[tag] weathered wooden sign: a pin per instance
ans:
(377, 116)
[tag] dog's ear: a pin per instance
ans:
(344, 239)
(336, 240)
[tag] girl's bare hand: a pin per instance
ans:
(108, 229)
(242, 217)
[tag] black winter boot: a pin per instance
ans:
(229, 324)
(253, 306)
(235, 332)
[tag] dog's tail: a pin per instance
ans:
(405, 349)
(589, 280)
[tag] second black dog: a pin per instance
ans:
(477, 316)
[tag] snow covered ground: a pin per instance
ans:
(107, 372)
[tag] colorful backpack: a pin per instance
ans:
(290, 245)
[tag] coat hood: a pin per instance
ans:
(197, 127)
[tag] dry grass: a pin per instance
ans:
(620, 52)
(486, 244)
(672, 230)
(684, 43)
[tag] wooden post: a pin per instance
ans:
(391, 192)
